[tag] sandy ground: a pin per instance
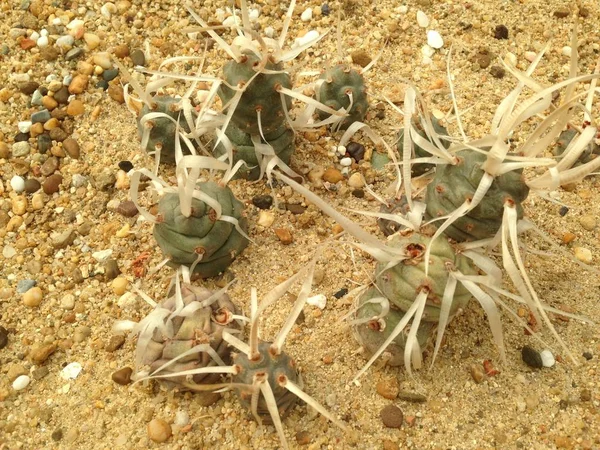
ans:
(518, 408)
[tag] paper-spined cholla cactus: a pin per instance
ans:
(343, 87)
(269, 367)
(373, 325)
(419, 152)
(184, 334)
(564, 140)
(202, 241)
(454, 184)
(243, 149)
(162, 131)
(261, 97)
(403, 282)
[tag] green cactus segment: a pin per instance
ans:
(282, 141)
(333, 92)
(372, 334)
(182, 238)
(271, 366)
(402, 283)
(202, 326)
(419, 152)
(261, 94)
(591, 152)
(163, 130)
(453, 184)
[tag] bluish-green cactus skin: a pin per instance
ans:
(592, 151)
(420, 168)
(453, 184)
(333, 92)
(182, 238)
(261, 94)
(163, 131)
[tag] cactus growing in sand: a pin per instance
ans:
(202, 241)
(419, 152)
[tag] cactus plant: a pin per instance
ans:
(281, 141)
(420, 168)
(402, 282)
(198, 321)
(371, 331)
(453, 184)
(162, 130)
(591, 152)
(270, 367)
(343, 87)
(201, 240)
(261, 95)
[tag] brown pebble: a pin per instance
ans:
(33, 297)
(361, 58)
(49, 102)
(568, 237)
(71, 147)
(49, 53)
(41, 353)
(561, 13)
(284, 235)
(127, 209)
(27, 44)
(159, 430)
(52, 183)
(58, 134)
(123, 377)
(303, 437)
(332, 175)
(389, 445)
(388, 388)
(36, 129)
(78, 84)
(62, 96)
(392, 416)
(75, 108)
(477, 373)
(28, 87)
(32, 185)
(4, 150)
(116, 93)
(115, 343)
(121, 51)
(3, 337)
(49, 166)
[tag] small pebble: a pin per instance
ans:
(127, 209)
(587, 355)
(356, 180)
(75, 108)
(111, 269)
(21, 382)
(24, 285)
(501, 32)
(78, 84)
(52, 184)
(115, 343)
(361, 57)
(3, 337)
(561, 13)
(72, 148)
(563, 211)
(40, 116)
(33, 297)
(263, 201)
(67, 302)
(388, 388)
(40, 353)
(422, 19)
(547, 358)
(339, 294)
(20, 149)
(125, 166)
(265, 219)
(531, 357)
(17, 184)
(303, 437)
(346, 162)
(119, 285)
(57, 435)
(159, 430)
(477, 373)
(284, 235)
(332, 175)
(356, 151)
(24, 126)
(306, 15)
(412, 397)
(434, 39)
(138, 58)
(583, 254)
(588, 222)
(392, 416)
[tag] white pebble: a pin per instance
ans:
(427, 51)
(318, 300)
(341, 149)
(34, 36)
(510, 58)
(182, 418)
(422, 19)
(253, 14)
(42, 42)
(547, 358)
(65, 41)
(269, 32)
(583, 254)
(8, 251)
(308, 37)
(345, 162)
(21, 382)
(403, 9)
(566, 50)
(17, 183)
(44, 32)
(306, 16)
(102, 255)
(24, 126)
(434, 39)
(71, 371)
(108, 9)
(231, 21)
(74, 24)
(530, 56)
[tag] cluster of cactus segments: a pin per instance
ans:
(402, 283)
(591, 152)
(281, 141)
(419, 152)
(201, 240)
(454, 184)
(163, 131)
(371, 331)
(340, 84)
(269, 367)
(201, 319)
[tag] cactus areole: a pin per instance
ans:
(260, 95)
(402, 283)
(268, 367)
(201, 238)
(338, 83)
(454, 184)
